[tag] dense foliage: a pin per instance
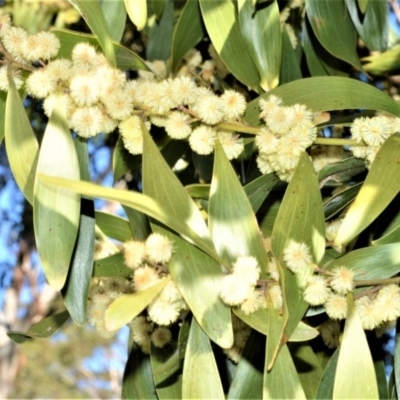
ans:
(258, 256)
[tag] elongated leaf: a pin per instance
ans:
(223, 27)
(160, 36)
(167, 363)
(380, 372)
(93, 15)
(111, 267)
(21, 143)
(260, 25)
(258, 190)
(138, 201)
(43, 329)
(355, 374)
(334, 29)
(138, 381)
(158, 8)
(375, 19)
(56, 210)
(127, 307)
(325, 388)
(200, 357)
(232, 223)
(115, 16)
(113, 226)
(282, 382)
(75, 291)
(383, 63)
(379, 189)
(341, 171)
(248, 379)
(3, 101)
(290, 67)
(137, 11)
(139, 223)
(396, 363)
(327, 93)
(340, 200)
(188, 32)
(362, 5)
(125, 58)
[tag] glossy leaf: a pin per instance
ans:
(379, 189)
(128, 306)
(138, 201)
(200, 358)
(43, 329)
(232, 223)
(260, 25)
(125, 58)
(248, 379)
(137, 11)
(111, 267)
(113, 226)
(282, 382)
(160, 36)
(115, 17)
(137, 383)
(56, 210)
(223, 27)
(75, 291)
(187, 33)
(21, 144)
(375, 19)
(340, 200)
(339, 38)
(355, 374)
(93, 15)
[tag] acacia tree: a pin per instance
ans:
(273, 285)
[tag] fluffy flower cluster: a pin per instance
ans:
(287, 133)
(239, 287)
(370, 133)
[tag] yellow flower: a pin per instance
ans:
(296, 256)
(202, 140)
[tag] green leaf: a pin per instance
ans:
(139, 223)
(158, 8)
(362, 5)
(187, 33)
(383, 63)
(21, 144)
(56, 210)
(113, 226)
(380, 187)
(43, 329)
(355, 373)
(199, 190)
(125, 58)
(258, 189)
(341, 171)
(128, 306)
(232, 223)
(200, 359)
(248, 379)
(111, 267)
(396, 362)
(375, 19)
(282, 382)
(160, 36)
(137, 11)
(334, 29)
(123, 161)
(327, 94)
(138, 381)
(260, 25)
(222, 24)
(3, 101)
(325, 388)
(290, 67)
(138, 201)
(380, 372)
(115, 17)
(75, 291)
(93, 15)
(340, 200)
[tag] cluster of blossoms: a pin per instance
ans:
(371, 133)
(288, 132)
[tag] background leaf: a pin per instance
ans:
(113, 226)
(115, 16)
(111, 267)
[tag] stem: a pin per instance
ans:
(231, 126)
(336, 142)
(375, 282)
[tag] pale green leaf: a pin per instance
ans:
(334, 29)
(139, 223)
(137, 12)
(3, 101)
(327, 94)
(21, 144)
(113, 226)
(115, 16)
(355, 373)
(111, 267)
(379, 189)
(362, 5)
(93, 15)
(56, 210)
(187, 33)
(383, 63)
(232, 223)
(128, 306)
(260, 25)
(200, 373)
(222, 24)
